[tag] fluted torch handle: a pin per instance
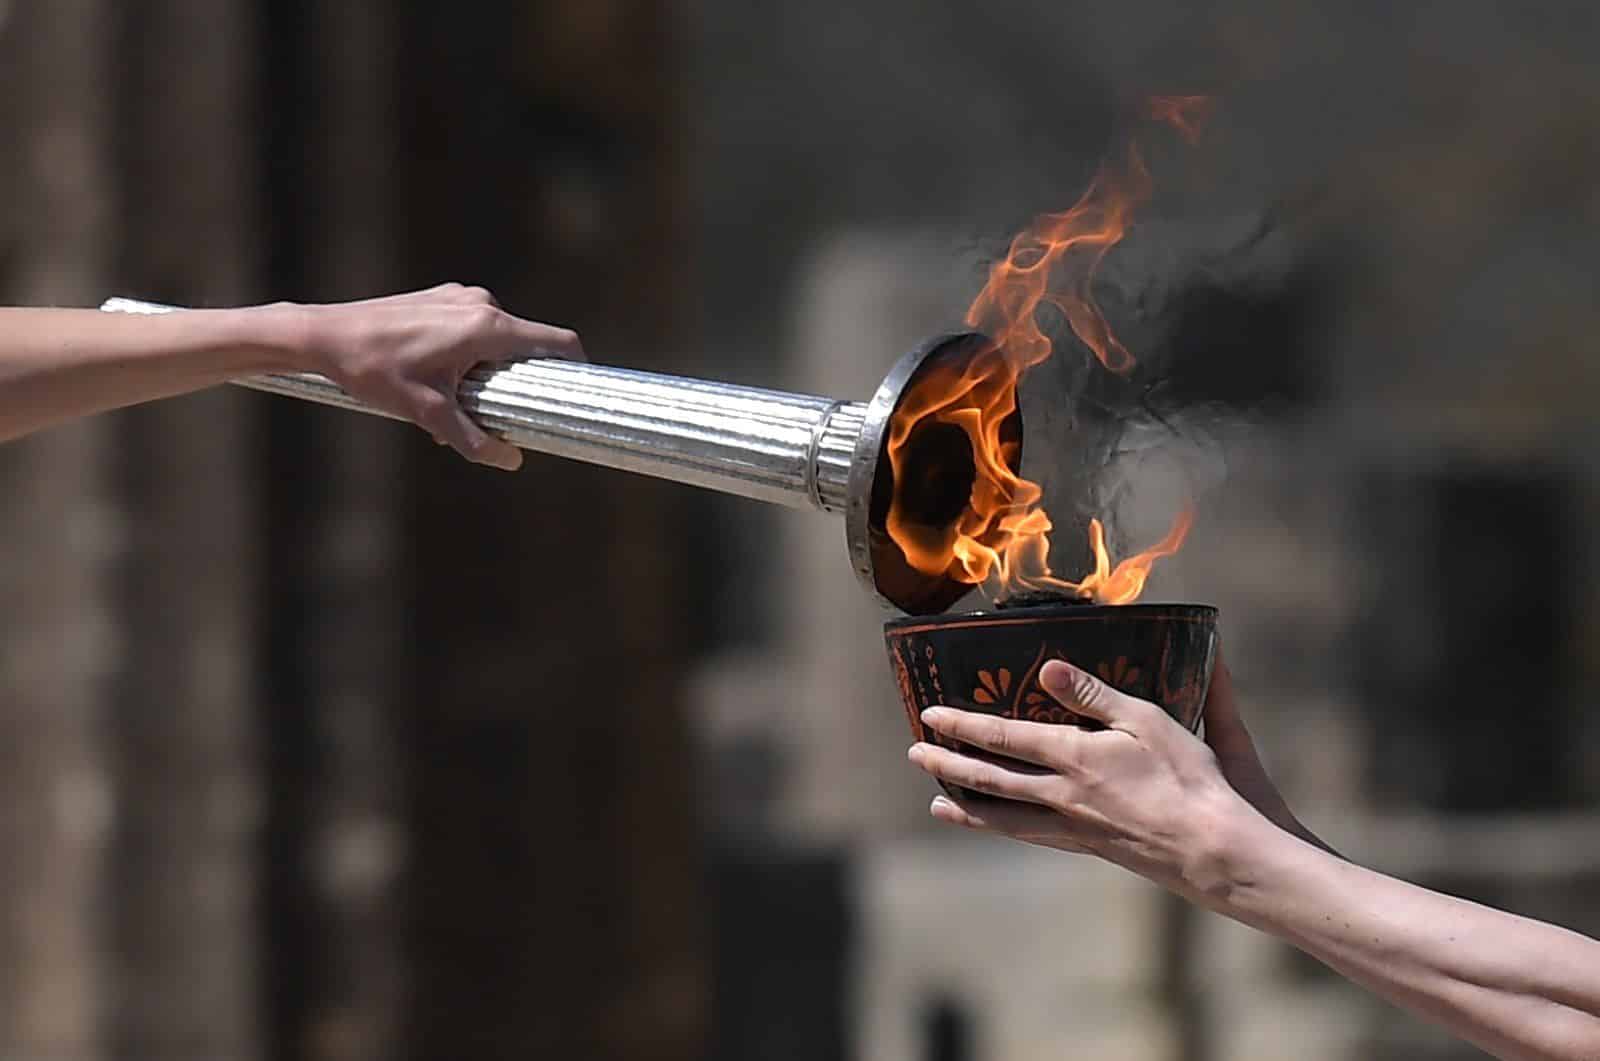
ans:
(786, 449)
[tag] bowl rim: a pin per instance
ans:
(1054, 613)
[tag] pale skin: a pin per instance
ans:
(1202, 819)
(404, 354)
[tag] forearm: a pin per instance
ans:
(1517, 987)
(59, 364)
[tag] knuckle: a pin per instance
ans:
(483, 318)
(984, 779)
(998, 736)
(477, 295)
(432, 408)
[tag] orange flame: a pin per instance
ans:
(1002, 537)
(1124, 584)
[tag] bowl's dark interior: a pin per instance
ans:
(990, 662)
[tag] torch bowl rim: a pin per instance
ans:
(867, 463)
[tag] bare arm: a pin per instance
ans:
(1516, 987)
(60, 364)
(405, 354)
(1147, 795)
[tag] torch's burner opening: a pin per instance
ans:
(940, 470)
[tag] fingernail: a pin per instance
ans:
(942, 803)
(934, 715)
(511, 463)
(1056, 676)
(914, 751)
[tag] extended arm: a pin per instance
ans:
(405, 355)
(1518, 988)
(1146, 794)
(61, 364)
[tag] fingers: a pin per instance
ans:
(504, 334)
(532, 339)
(484, 330)
(446, 421)
(407, 355)
(1031, 742)
(1034, 825)
(492, 334)
(980, 776)
(1084, 694)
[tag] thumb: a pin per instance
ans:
(1083, 693)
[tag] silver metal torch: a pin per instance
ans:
(796, 450)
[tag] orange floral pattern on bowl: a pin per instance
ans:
(1027, 700)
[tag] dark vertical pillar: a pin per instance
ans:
(1487, 573)
(784, 929)
(555, 869)
(337, 586)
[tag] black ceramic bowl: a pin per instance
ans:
(990, 661)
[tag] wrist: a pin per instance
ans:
(1237, 842)
(277, 338)
(1268, 874)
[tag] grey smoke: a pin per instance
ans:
(1211, 306)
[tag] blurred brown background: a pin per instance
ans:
(317, 744)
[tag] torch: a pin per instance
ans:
(796, 450)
